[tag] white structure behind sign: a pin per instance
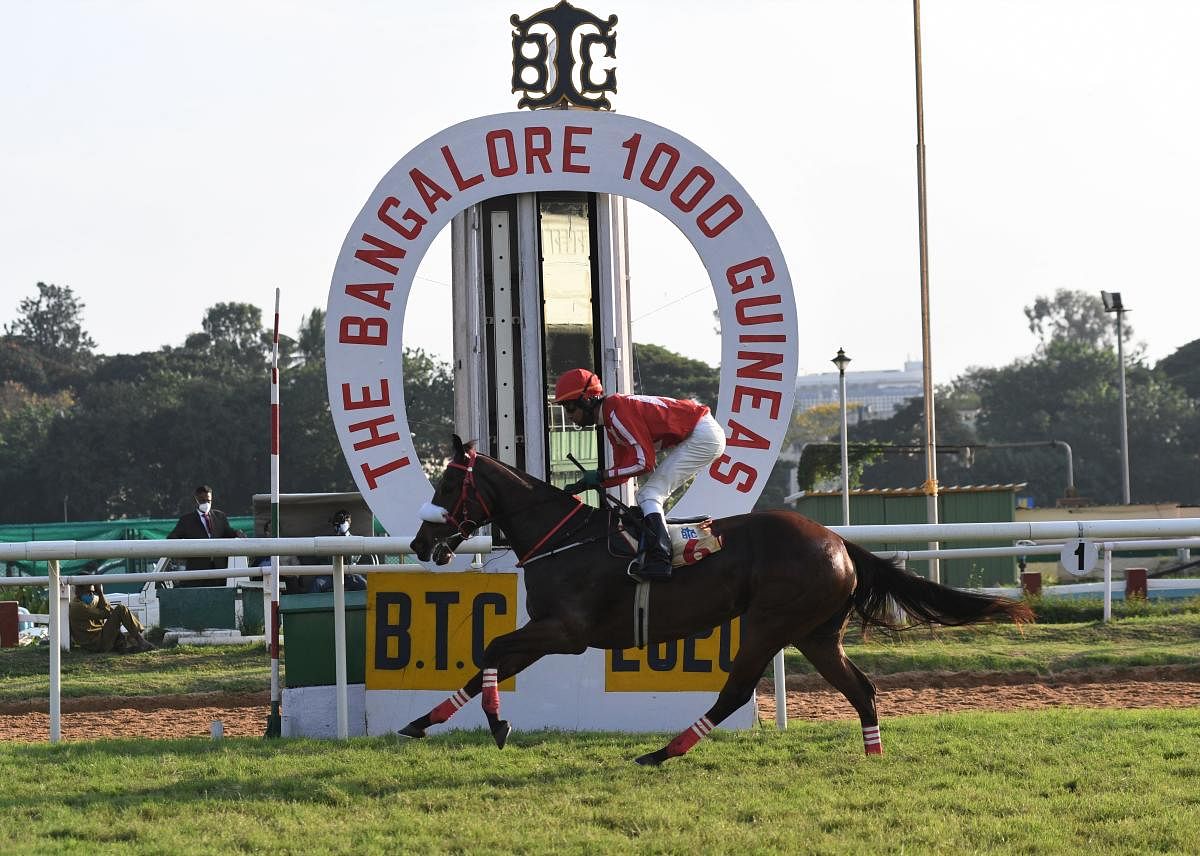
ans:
(533, 152)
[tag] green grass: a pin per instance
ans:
(24, 672)
(1041, 648)
(1076, 609)
(1056, 782)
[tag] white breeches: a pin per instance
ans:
(703, 446)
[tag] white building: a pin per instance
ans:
(869, 394)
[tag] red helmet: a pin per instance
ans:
(576, 384)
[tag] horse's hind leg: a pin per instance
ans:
(825, 652)
(761, 638)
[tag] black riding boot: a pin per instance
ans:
(654, 552)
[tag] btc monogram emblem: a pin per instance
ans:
(561, 69)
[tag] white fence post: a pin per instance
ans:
(56, 620)
(780, 693)
(1108, 551)
(339, 645)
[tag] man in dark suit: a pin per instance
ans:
(204, 522)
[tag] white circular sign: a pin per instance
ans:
(1079, 557)
(547, 150)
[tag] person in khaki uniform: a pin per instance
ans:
(96, 624)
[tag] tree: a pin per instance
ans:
(52, 323)
(658, 371)
(311, 341)
(1070, 392)
(429, 396)
(236, 334)
(1182, 368)
(1075, 315)
(905, 466)
(20, 363)
(26, 419)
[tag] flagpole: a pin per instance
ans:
(274, 722)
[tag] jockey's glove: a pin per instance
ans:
(591, 478)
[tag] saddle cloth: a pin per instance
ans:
(690, 542)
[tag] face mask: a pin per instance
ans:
(204, 507)
(343, 528)
(87, 598)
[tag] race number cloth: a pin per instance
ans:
(691, 542)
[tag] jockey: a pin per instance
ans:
(636, 426)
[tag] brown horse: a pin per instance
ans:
(791, 580)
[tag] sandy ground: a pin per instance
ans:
(245, 715)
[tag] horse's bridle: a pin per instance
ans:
(459, 516)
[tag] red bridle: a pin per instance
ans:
(458, 516)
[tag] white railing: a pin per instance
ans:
(1114, 535)
(338, 546)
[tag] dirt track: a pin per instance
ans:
(244, 715)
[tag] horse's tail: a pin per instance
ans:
(882, 582)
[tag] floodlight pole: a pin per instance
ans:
(1113, 303)
(1124, 417)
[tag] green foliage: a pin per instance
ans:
(236, 334)
(1182, 368)
(52, 323)
(1077, 316)
(893, 449)
(429, 393)
(1064, 610)
(311, 343)
(658, 371)
(1070, 392)
(146, 428)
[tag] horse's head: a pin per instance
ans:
(456, 510)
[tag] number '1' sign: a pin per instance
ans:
(1079, 557)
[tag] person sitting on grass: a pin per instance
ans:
(96, 624)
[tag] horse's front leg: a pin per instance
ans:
(504, 657)
(761, 638)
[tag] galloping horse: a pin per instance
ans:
(790, 579)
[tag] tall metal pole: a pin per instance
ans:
(931, 484)
(1124, 417)
(274, 719)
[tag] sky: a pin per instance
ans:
(160, 158)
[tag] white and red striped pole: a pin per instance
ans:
(274, 722)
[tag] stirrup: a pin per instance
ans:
(635, 572)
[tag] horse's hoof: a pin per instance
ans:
(653, 759)
(411, 730)
(500, 732)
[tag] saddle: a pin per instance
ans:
(691, 537)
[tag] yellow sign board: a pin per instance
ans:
(695, 664)
(428, 631)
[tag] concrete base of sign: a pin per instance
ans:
(562, 692)
(312, 712)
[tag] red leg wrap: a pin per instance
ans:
(685, 740)
(491, 694)
(448, 708)
(872, 742)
